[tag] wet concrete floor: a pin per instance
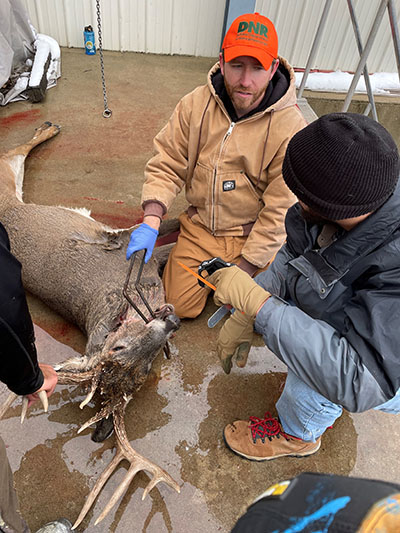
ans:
(177, 418)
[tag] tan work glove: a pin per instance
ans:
(234, 341)
(237, 288)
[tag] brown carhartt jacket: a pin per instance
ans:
(232, 171)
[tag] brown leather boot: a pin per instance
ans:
(263, 439)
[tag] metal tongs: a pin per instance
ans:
(138, 289)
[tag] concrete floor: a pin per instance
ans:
(177, 418)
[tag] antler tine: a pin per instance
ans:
(24, 409)
(64, 377)
(45, 401)
(97, 488)
(91, 392)
(11, 398)
(42, 397)
(138, 463)
(7, 404)
(103, 413)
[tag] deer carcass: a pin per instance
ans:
(77, 266)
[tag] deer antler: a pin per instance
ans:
(138, 463)
(123, 448)
(43, 398)
(8, 403)
(11, 398)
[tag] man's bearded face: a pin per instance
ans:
(245, 81)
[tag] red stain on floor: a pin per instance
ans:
(58, 330)
(24, 117)
(129, 138)
(105, 211)
(119, 202)
(119, 221)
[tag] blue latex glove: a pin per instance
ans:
(142, 238)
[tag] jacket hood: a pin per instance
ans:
(281, 91)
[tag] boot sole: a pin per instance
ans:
(260, 459)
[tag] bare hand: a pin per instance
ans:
(49, 383)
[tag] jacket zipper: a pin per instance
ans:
(226, 137)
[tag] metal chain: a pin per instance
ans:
(107, 112)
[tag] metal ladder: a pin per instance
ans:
(364, 52)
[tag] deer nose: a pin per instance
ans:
(172, 322)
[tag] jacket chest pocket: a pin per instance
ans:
(199, 189)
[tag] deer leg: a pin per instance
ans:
(138, 463)
(44, 132)
(12, 163)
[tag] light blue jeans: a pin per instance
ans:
(304, 413)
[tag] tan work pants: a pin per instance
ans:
(10, 520)
(194, 245)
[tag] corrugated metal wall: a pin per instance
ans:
(189, 27)
(296, 22)
(193, 27)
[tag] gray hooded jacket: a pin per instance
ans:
(334, 319)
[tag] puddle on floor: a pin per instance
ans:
(176, 421)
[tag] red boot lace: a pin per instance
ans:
(267, 427)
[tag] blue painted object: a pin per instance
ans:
(88, 37)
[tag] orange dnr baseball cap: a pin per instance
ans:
(251, 35)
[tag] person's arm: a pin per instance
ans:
(19, 368)
(311, 348)
(336, 364)
(166, 171)
(165, 176)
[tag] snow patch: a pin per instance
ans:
(381, 82)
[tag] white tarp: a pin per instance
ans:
(29, 61)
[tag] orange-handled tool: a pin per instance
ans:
(213, 287)
(211, 265)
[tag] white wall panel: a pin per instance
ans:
(297, 21)
(193, 27)
(189, 27)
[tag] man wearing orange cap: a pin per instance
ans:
(225, 144)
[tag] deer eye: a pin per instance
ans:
(117, 348)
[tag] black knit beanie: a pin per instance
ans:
(342, 165)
